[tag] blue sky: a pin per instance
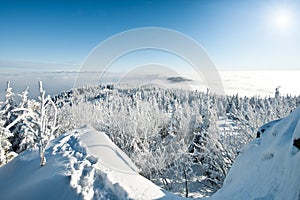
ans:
(247, 34)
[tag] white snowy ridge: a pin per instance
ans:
(85, 164)
(82, 164)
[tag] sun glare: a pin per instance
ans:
(283, 18)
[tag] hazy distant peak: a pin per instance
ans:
(178, 79)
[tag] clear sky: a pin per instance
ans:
(246, 34)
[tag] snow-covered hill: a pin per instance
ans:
(82, 164)
(268, 168)
(85, 164)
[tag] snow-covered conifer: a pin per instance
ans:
(23, 138)
(40, 120)
(8, 105)
(6, 153)
(6, 117)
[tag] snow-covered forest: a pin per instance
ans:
(184, 141)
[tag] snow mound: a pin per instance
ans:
(268, 168)
(82, 164)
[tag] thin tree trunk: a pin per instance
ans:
(186, 184)
(42, 156)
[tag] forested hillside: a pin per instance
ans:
(184, 141)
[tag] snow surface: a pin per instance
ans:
(86, 164)
(82, 164)
(267, 168)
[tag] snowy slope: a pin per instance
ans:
(82, 164)
(268, 168)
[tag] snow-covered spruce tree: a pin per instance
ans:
(41, 121)
(6, 117)
(23, 138)
(207, 149)
(184, 170)
(8, 105)
(6, 153)
(176, 167)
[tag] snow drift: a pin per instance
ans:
(267, 168)
(82, 164)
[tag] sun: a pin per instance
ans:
(283, 19)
